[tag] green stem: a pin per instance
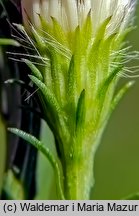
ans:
(79, 175)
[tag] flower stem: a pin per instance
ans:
(79, 175)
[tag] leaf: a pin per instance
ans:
(102, 29)
(106, 83)
(103, 89)
(71, 93)
(45, 151)
(55, 72)
(58, 32)
(7, 42)
(71, 78)
(86, 30)
(81, 110)
(94, 52)
(120, 94)
(118, 97)
(45, 25)
(54, 108)
(34, 69)
(49, 96)
(105, 51)
(121, 37)
(39, 40)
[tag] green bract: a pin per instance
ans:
(76, 73)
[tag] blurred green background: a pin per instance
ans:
(117, 159)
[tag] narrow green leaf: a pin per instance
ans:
(45, 25)
(71, 94)
(87, 29)
(76, 43)
(45, 151)
(105, 85)
(103, 89)
(55, 72)
(102, 29)
(120, 94)
(34, 69)
(39, 40)
(118, 97)
(121, 37)
(105, 50)
(49, 96)
(51, 100)
(94, 52)
(58, 32)
(71, 78)
(81, 110)
(7, 42)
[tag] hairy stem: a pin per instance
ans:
(79, 173)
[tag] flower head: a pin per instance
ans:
(78, 46)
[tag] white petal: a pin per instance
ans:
(99, 12)
(30, 9)
(83, 8)
(71, 13)
(36, 12)
(45, 9)
(54, 9)
(27, 11)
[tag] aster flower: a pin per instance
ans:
(78, 47)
